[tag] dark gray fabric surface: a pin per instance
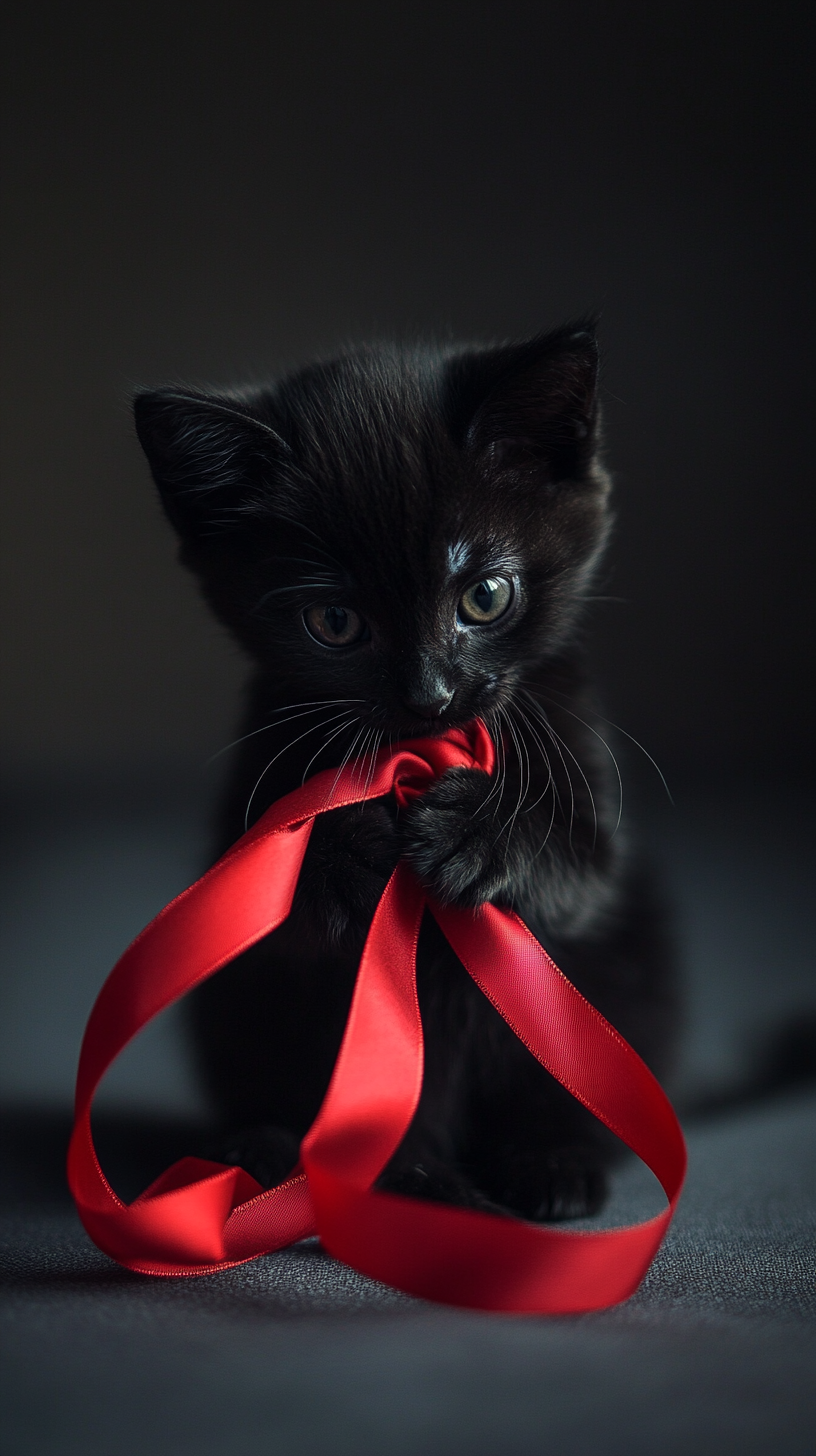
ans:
(716, 1353)
(294, 1353)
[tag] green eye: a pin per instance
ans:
(486, 601)
(334, 626)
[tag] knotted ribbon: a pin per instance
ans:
(201, 1216)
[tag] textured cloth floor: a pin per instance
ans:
(295, 1354)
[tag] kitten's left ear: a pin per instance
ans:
(530, 405)
(210, 456)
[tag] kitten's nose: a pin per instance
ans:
(430, 704)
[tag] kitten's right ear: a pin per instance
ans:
(531, 404)
(211, 459)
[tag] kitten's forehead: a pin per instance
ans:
(402, 502)
(380, 465)
(460, 554)
(466, 552)
(396, 536)
(361, 415)
(383, 575)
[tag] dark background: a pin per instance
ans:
(208, 192)
(211, 192)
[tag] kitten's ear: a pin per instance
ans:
(210, 458)
(531, 405)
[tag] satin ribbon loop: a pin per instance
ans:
(200, 1216)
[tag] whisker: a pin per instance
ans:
(317, 703)
(301, 587)
(378, 738)
(334, 734)
(371, 753)
(320, 546)
(511, 822)
(531, 729)
(545, 841)
(541, 717)
(497, 788)
(523, 792)
(503, 778)
(345, 760)
(363, 755)
(544, 721)
(503, 775)
(494, 730)
(317, 566)
(615, 764)
(283, 750)
(360, 756)
(558, 739)
(618, 729)
(551, 783)
(325, 703)
(379, 742)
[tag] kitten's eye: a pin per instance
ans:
(334, 626)
(486, 601)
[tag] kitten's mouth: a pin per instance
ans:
(435, 727)
(425, 727)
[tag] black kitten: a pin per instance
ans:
(403, 540)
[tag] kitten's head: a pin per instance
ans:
(410, 529)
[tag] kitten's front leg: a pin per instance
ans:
(351, 856)
(471, 843)
(455, 838)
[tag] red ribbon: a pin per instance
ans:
(201, 1216)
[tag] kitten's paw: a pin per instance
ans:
(268, 1154)
(351, 856)
(569, 1183)
(454, 839)
(437, 1183)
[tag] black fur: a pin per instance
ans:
(388, 482)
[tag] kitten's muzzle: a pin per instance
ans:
(430, 705)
